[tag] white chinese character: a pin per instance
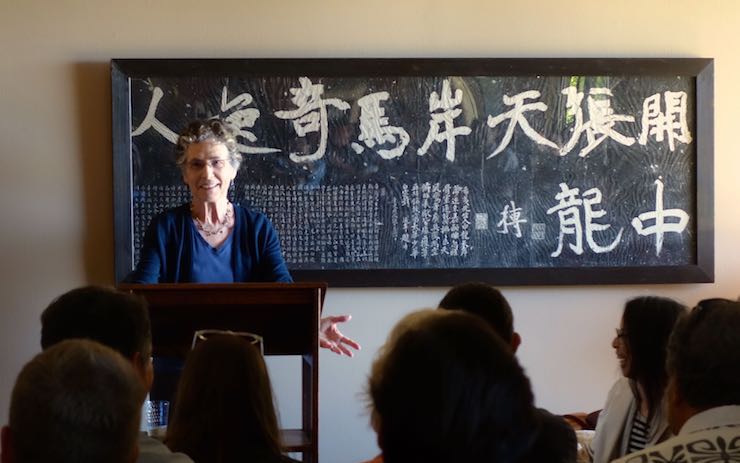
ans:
(447, 116)
(511, 217)
(310, 116)
(570, 220)
(591, 198)
(516, 117)
(374, 128)
(241, 119)
(671, 124)
(151, 121)
(660, 227)
(601, 123)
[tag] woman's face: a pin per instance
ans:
(622, 350)
(207, 171)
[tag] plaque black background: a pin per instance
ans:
(525, 172)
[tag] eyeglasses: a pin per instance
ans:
(200, 164)
(254, 339)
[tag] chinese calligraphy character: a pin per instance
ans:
(516, 117)
(511, 217)
(151, 121)
(664, 124)
(374, 127)
(660, 227)
(447, 116)
(243, 118)
(601, 123)
(591, 198)
(310, 116)
(570, 220)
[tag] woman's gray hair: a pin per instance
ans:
(216, 130)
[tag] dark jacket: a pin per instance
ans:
(166, 256)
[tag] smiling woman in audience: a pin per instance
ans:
(634, 416)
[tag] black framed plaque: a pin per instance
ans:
(421, 172)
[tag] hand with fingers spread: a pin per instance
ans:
(331, 338)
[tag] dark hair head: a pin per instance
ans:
(484, 301)
(647, 323)
(214, 129)
(76, 402)
(704, 354)
(113, 318)
(446, 388)
(224, 409)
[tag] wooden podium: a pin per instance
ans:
(286, 315)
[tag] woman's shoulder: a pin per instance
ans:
(620, 394)
(618, 401)
(621, 386)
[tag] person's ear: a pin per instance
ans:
(234, 171)
(6, 454)
(516, 340)
(144, 368)
(376, 425)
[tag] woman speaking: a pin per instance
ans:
(211, 240)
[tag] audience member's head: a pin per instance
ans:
(641, 345)
(555, 441)
(224, 410)
(486, 302)
(703, 359)
(76, 402)
(113, 318)
(445, 388)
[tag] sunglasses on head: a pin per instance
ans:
(255, 339)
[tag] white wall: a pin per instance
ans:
(55, 176)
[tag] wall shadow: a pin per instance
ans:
(92, 87)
